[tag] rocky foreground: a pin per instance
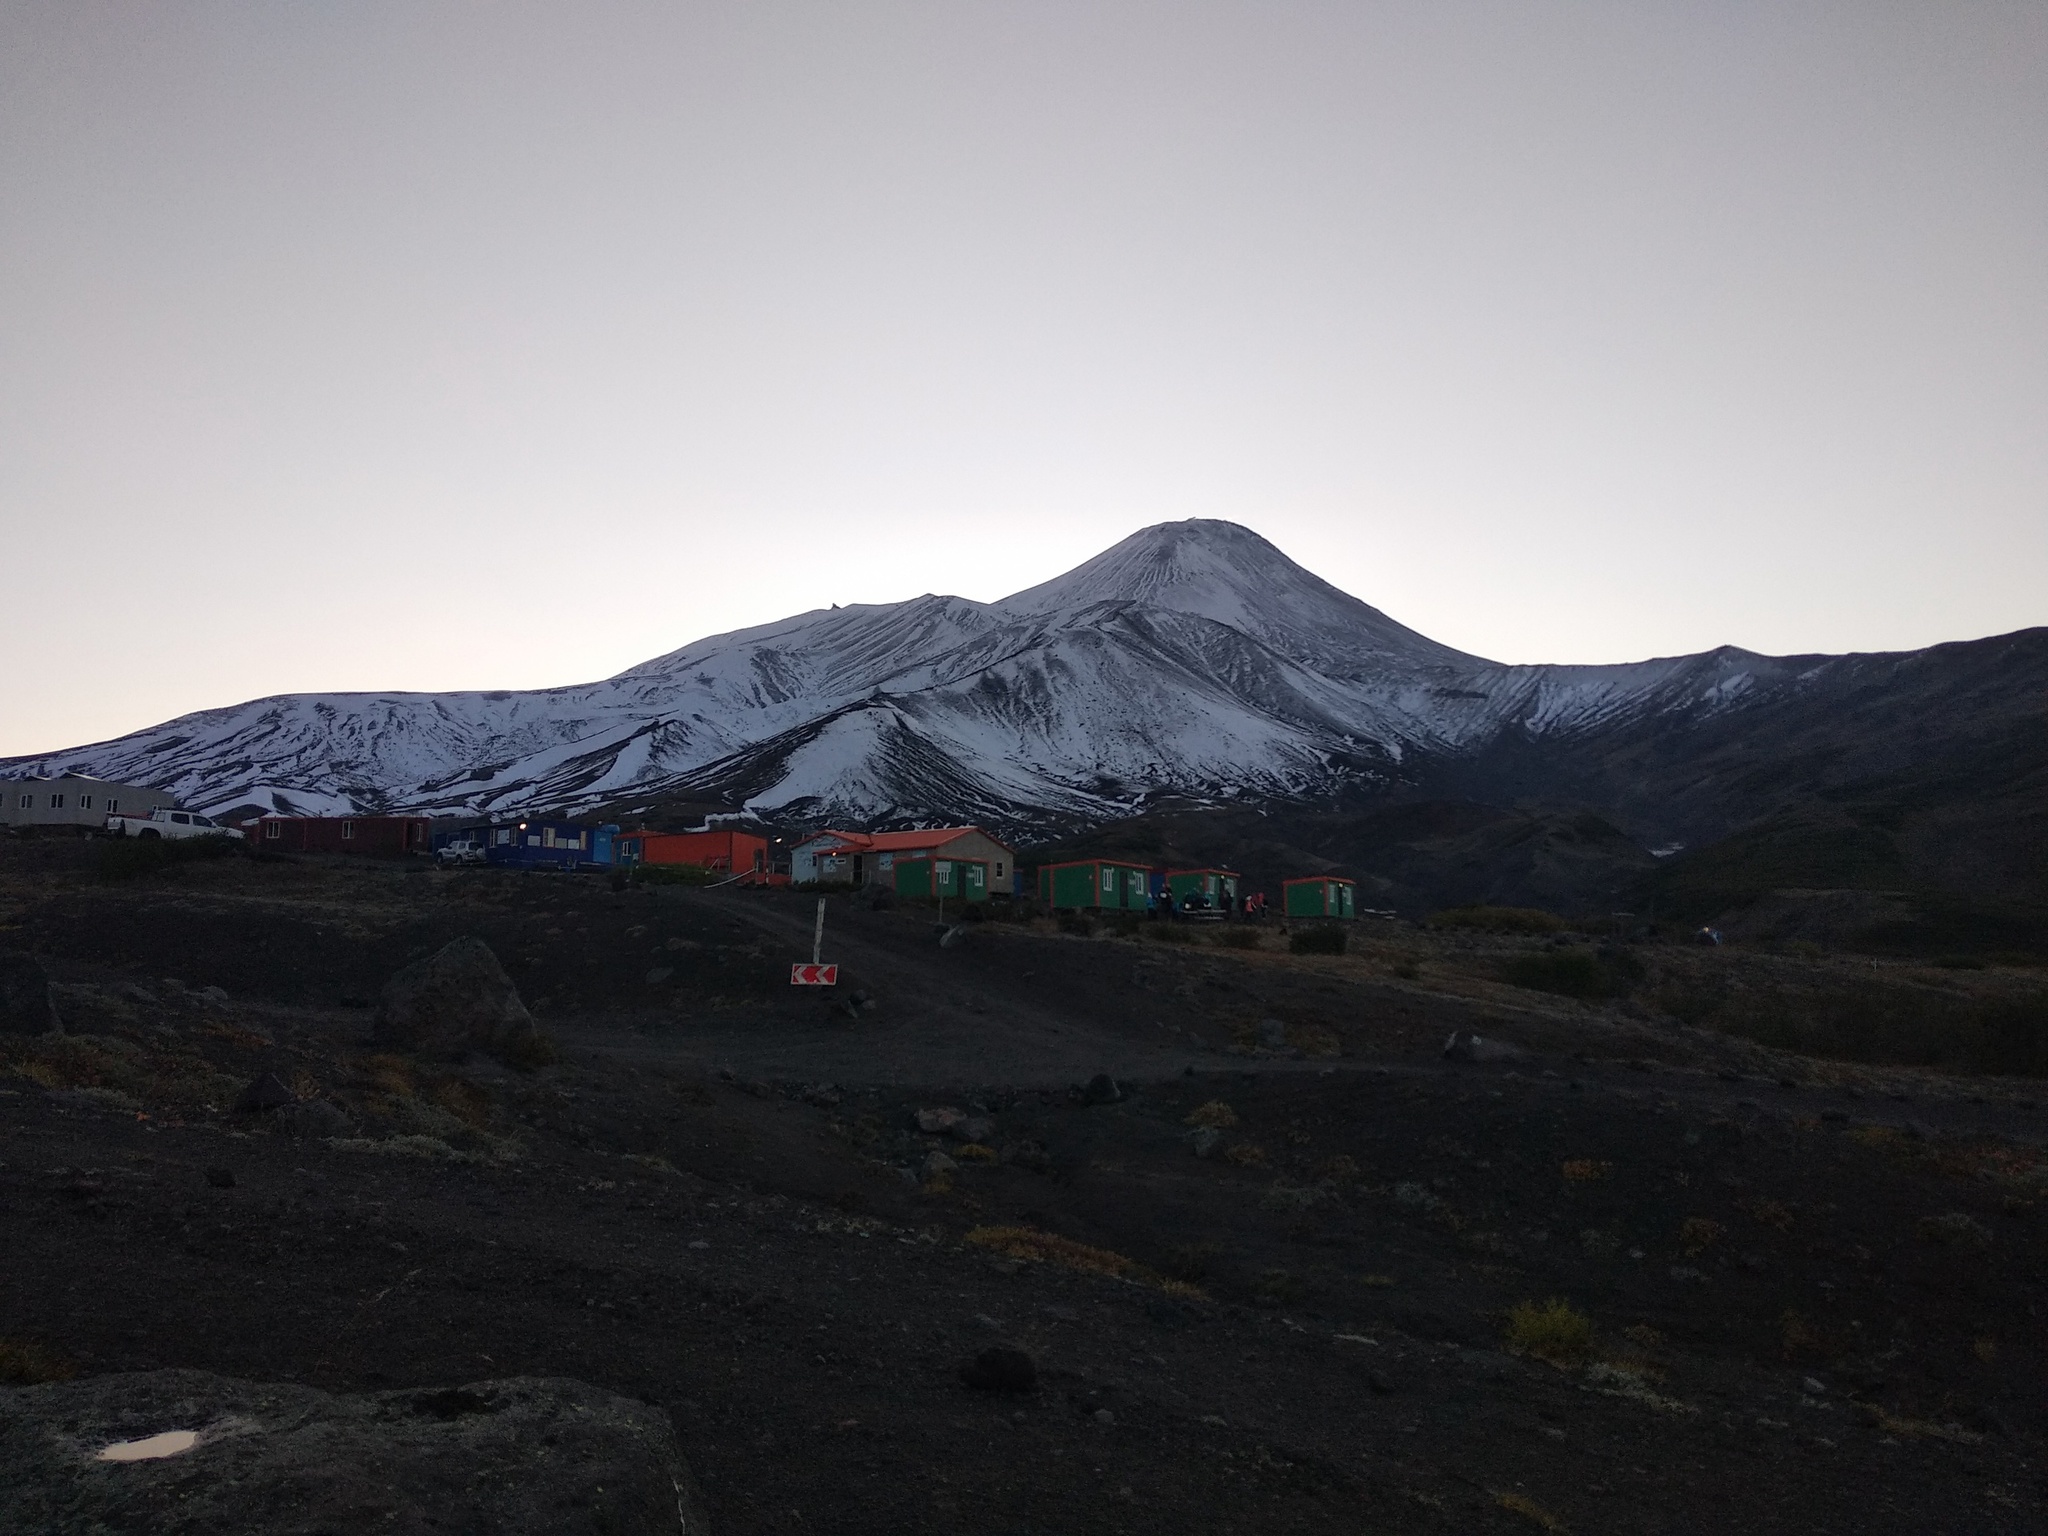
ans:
(1056, 1233)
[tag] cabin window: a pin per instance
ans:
(28, 802)
(56, 802)
(85, 802)
(273, 830)
(1109, 880)
(999, 869)
(348, 831)
(113, 807)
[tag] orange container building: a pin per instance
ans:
(729, 853)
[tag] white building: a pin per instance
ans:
(74, 803)
(870, 858)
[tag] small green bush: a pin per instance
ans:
(1324, 940)
(1497, 919)
(529, 1050)
(1552, 1330)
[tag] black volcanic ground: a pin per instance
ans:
(1814, 1286)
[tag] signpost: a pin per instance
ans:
(816, 974)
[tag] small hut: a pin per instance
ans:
(1320, 896)
(1100, 884)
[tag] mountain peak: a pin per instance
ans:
(1225, 572)
(1169, 565)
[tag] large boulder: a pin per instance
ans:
(456, 1001)
(27, 1004)
(518, 1457)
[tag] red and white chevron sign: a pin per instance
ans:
(814, 975)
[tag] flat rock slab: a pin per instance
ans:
(523, 1455)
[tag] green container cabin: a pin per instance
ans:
(935, 879)
(1219, 885)
(1097, 883)
(1320, 896)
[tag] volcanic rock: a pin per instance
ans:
(1101, 1089)
(27, 1005)
(1000, 1369)
(266, 1091)
(314, 1118)
(455, 1001)
(1466, 1046)
(522, 1455)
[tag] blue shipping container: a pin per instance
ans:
(551, 845)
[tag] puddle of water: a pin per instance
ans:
(170, 1443)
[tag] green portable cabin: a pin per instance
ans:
(1219, 885)
(933, 878)
(1320, 896)
(1102, 883)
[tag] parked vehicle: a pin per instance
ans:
(169, 824)
(463, 850)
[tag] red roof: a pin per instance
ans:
(902, 842)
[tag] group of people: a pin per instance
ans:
(1252, 907)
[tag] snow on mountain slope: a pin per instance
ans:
(1226, 573)
(1192, 657)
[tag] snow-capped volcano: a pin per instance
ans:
(1230, 576)
(1192, 658)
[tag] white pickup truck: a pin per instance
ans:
(171, 824)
